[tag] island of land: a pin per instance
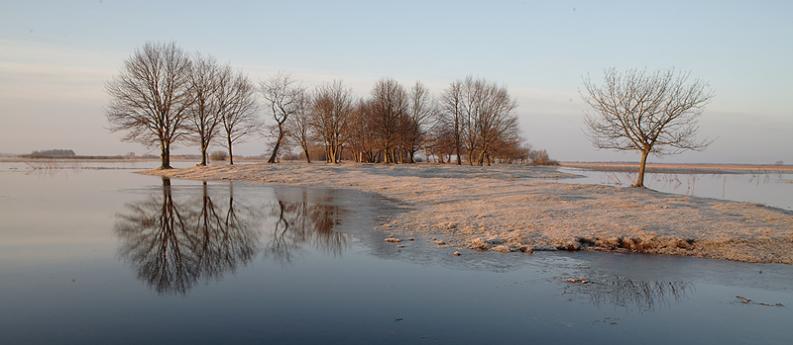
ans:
(521, 208)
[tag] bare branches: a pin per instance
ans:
(209, 84)
(284, 97)
(480, 114)
(651, 112)
(150, 97)
(239, 117)
(332, 109)
(163, 96)
(389, 105)
(298, 126)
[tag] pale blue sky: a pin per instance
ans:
(55, 57)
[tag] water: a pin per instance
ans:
(770, 189)
(93, 256)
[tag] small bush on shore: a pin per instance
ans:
(541, 157)
(218, 155)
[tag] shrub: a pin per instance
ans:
(541, 157)
(218, 155)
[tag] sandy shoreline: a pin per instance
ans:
(518, 208)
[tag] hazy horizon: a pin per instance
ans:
(57, 57)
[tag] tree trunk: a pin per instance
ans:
(165, 155)
(642, 166)
(203, 155)
(457, 147)
(277, 145)
(231, 154)
(305, 152)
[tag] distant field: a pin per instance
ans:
(680, 168)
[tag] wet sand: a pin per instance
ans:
(522, 209)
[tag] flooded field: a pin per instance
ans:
(107, 256)
(770, 189)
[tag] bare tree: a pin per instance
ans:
(389, 105)
(332, 107)
(283, 96)
(452, 116)
(239, 117)
(362, 133)
(208, 83)
(650, 112)
(298, 126)
(489, 117)
(420, 111)
(151, 96)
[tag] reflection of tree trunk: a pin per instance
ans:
(303, 221)
(280, 245)
(173, 248)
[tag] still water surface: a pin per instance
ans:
(100, 256)
(770, 189)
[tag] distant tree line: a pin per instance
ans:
(52, 153)
(163, 96)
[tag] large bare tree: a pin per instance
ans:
(284, 96)
(151, 97)
(650, 112)
(239, 118)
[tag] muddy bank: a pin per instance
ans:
(515, 209)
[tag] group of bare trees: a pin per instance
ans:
(477, 121)
(393, 124)
(163, 95)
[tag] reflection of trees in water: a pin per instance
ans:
(628, 293)
(310, 220)
(173, 244)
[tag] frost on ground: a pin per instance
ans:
(521, 208)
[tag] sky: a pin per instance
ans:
(56, 56)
